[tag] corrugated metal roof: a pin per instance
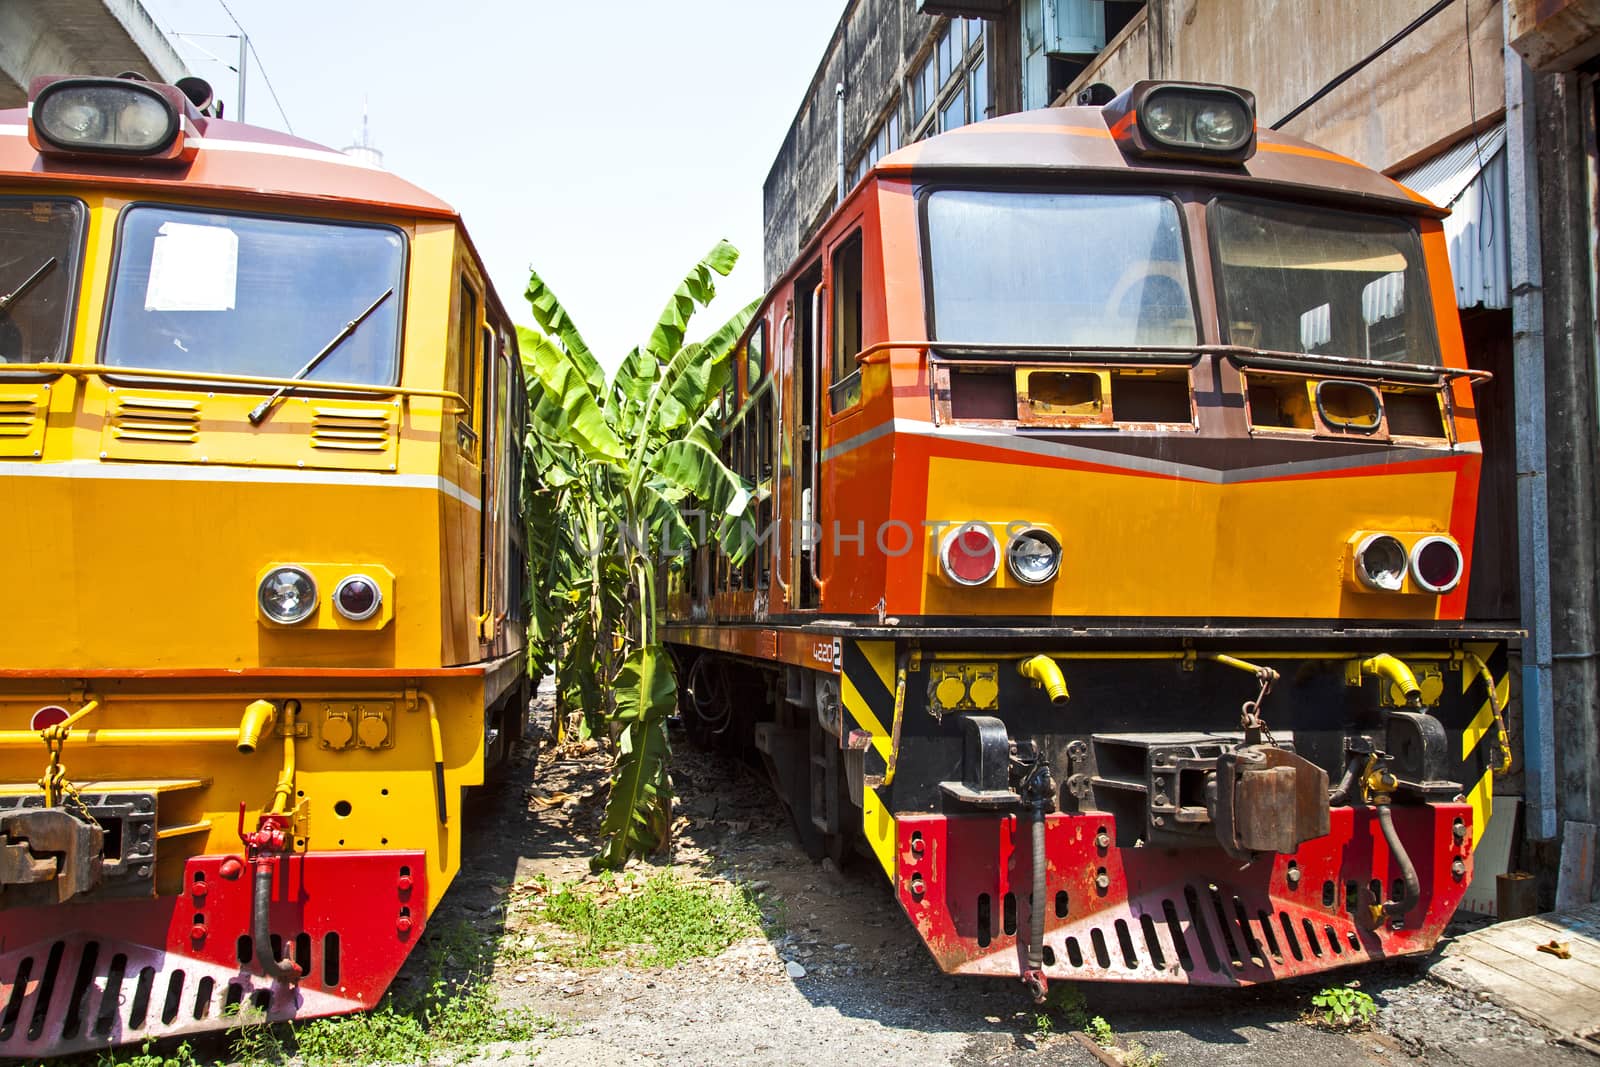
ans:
(1469, 178)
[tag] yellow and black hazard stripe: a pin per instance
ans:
(867, 687)
(1480, 750)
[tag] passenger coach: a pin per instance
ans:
(261, 422)
(1118, 473)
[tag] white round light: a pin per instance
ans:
(287, 595)
(1381, 563)
(1034, 557)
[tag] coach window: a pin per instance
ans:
(844, 387)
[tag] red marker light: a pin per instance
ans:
(970, 555)
(47, 716)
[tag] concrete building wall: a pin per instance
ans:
(870, 54)
(1404, 107)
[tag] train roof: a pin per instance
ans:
(1078, 139)
(234, 159)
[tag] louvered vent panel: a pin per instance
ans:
(157, 419)
(351, 429)
(18, 415)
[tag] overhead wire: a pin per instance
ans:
(261, 66)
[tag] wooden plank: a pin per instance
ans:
(1583, 968)
(1575, 878)
(1552, 1010)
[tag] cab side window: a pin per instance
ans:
(846, 321)
(463, 377)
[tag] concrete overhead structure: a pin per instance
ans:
(79, 37)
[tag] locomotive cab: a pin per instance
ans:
(260, 434)
(1124, 473)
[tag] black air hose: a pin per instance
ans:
(1408, 872)
(285, 970)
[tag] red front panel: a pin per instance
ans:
(81, 976)
(1185, 916)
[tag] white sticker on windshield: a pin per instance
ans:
(193, 268)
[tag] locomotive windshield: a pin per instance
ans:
(1299, 279)
(40, 240)
(243, 294)
(1058, 269)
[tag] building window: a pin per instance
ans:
(949, 87)
(885, 140)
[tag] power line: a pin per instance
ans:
(262, 67)
(1352, 71)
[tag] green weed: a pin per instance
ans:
(1134, 1055)
(1343, 1007)
(1064, 1010)
(659, 923)
(181, 1055)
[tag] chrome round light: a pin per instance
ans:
(105, 115)
(287, 595)
(1217, 125)
(1436, 564)
(357, 598)
(1381, 563)
(1034, 557)
(970, 555)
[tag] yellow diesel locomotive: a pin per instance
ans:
(1118, 474)
(261, 424)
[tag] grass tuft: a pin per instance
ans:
(657, 923)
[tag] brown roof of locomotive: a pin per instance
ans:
(243, 162)
(1078, 139)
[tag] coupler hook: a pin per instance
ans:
(263, 846)
(1038, 790)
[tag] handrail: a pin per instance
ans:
(91, 370)
(778, 378)
(1242, 355)
(814, 445)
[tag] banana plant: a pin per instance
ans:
(612, 464)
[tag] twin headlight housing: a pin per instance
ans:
(124, 118)
(1382, 562)
(970, 555)
(288, 594)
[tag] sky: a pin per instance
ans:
(607, 146)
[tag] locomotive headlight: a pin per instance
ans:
(358, 598)
(1381, 563)
(287, 595)
(970, 555)
(1217, 127)
(1033, 557)
(105, 115)
(1436, 564)
(1164, 119)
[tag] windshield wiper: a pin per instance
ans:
(27, 283)
(259, 413)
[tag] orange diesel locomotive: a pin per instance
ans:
(1119, 472)
(261, 425)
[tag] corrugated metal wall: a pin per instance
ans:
(1469, 178)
